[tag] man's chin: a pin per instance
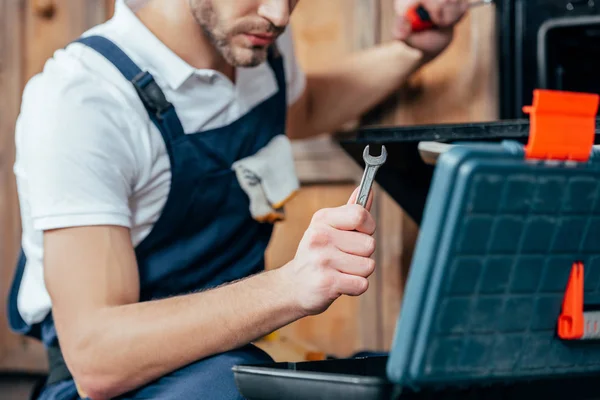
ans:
(248, 57)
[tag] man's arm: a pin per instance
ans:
(113, 344)
(348, 88)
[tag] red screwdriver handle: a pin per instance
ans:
(419, 18)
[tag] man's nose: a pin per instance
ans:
(276, 11)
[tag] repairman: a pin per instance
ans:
(153, 157)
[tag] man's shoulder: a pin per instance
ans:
(77, 72)
(74, 78)
(76, 130)
(68, 74)
(77, 98)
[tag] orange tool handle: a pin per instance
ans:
(419, 18)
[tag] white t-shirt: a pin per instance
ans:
(86, 151)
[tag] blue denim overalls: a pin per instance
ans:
(205, 236)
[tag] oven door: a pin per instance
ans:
(569, 54)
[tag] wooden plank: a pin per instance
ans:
(322, 161)
(459, 86)
(15, 349)
(322, 31)
(367, 20)
(326, 31)
(397, 227)
(8, 65)
(110, 8)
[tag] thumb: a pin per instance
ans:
(354, 196)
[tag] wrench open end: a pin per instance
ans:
(372, 164)
(374, 160)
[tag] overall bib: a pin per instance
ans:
(205, 236)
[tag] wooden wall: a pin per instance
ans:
(11, 44)
(30, 31)
(459, 86)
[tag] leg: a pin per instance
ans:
(210, 378)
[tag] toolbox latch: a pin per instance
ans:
(563, 125)
(571, 321)
(575, 323)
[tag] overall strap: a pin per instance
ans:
(275, 60)
(160, 110)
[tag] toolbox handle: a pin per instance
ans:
(562, 126)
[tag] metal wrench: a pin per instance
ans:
(372, 164)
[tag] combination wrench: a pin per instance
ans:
(372, 164)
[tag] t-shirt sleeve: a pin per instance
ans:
(295, 76)
(74, 165)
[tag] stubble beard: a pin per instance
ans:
(209, 22)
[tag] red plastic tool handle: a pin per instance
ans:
(419, 18)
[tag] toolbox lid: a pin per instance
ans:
(502, 230)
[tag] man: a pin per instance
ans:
(151, 163)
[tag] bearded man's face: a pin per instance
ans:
(243, 30)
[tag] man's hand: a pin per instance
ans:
(444, 14)
(92, 276)
(333, 257)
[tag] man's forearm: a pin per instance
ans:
(346, 90)
(130, 346)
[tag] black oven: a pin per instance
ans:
(548, 44)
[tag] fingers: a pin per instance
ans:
(351, 265)
(351, 217)
(351, 285)
(356, 243)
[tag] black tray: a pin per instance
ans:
(355, 379)
(365, 379)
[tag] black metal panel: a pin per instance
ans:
(405, 176)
